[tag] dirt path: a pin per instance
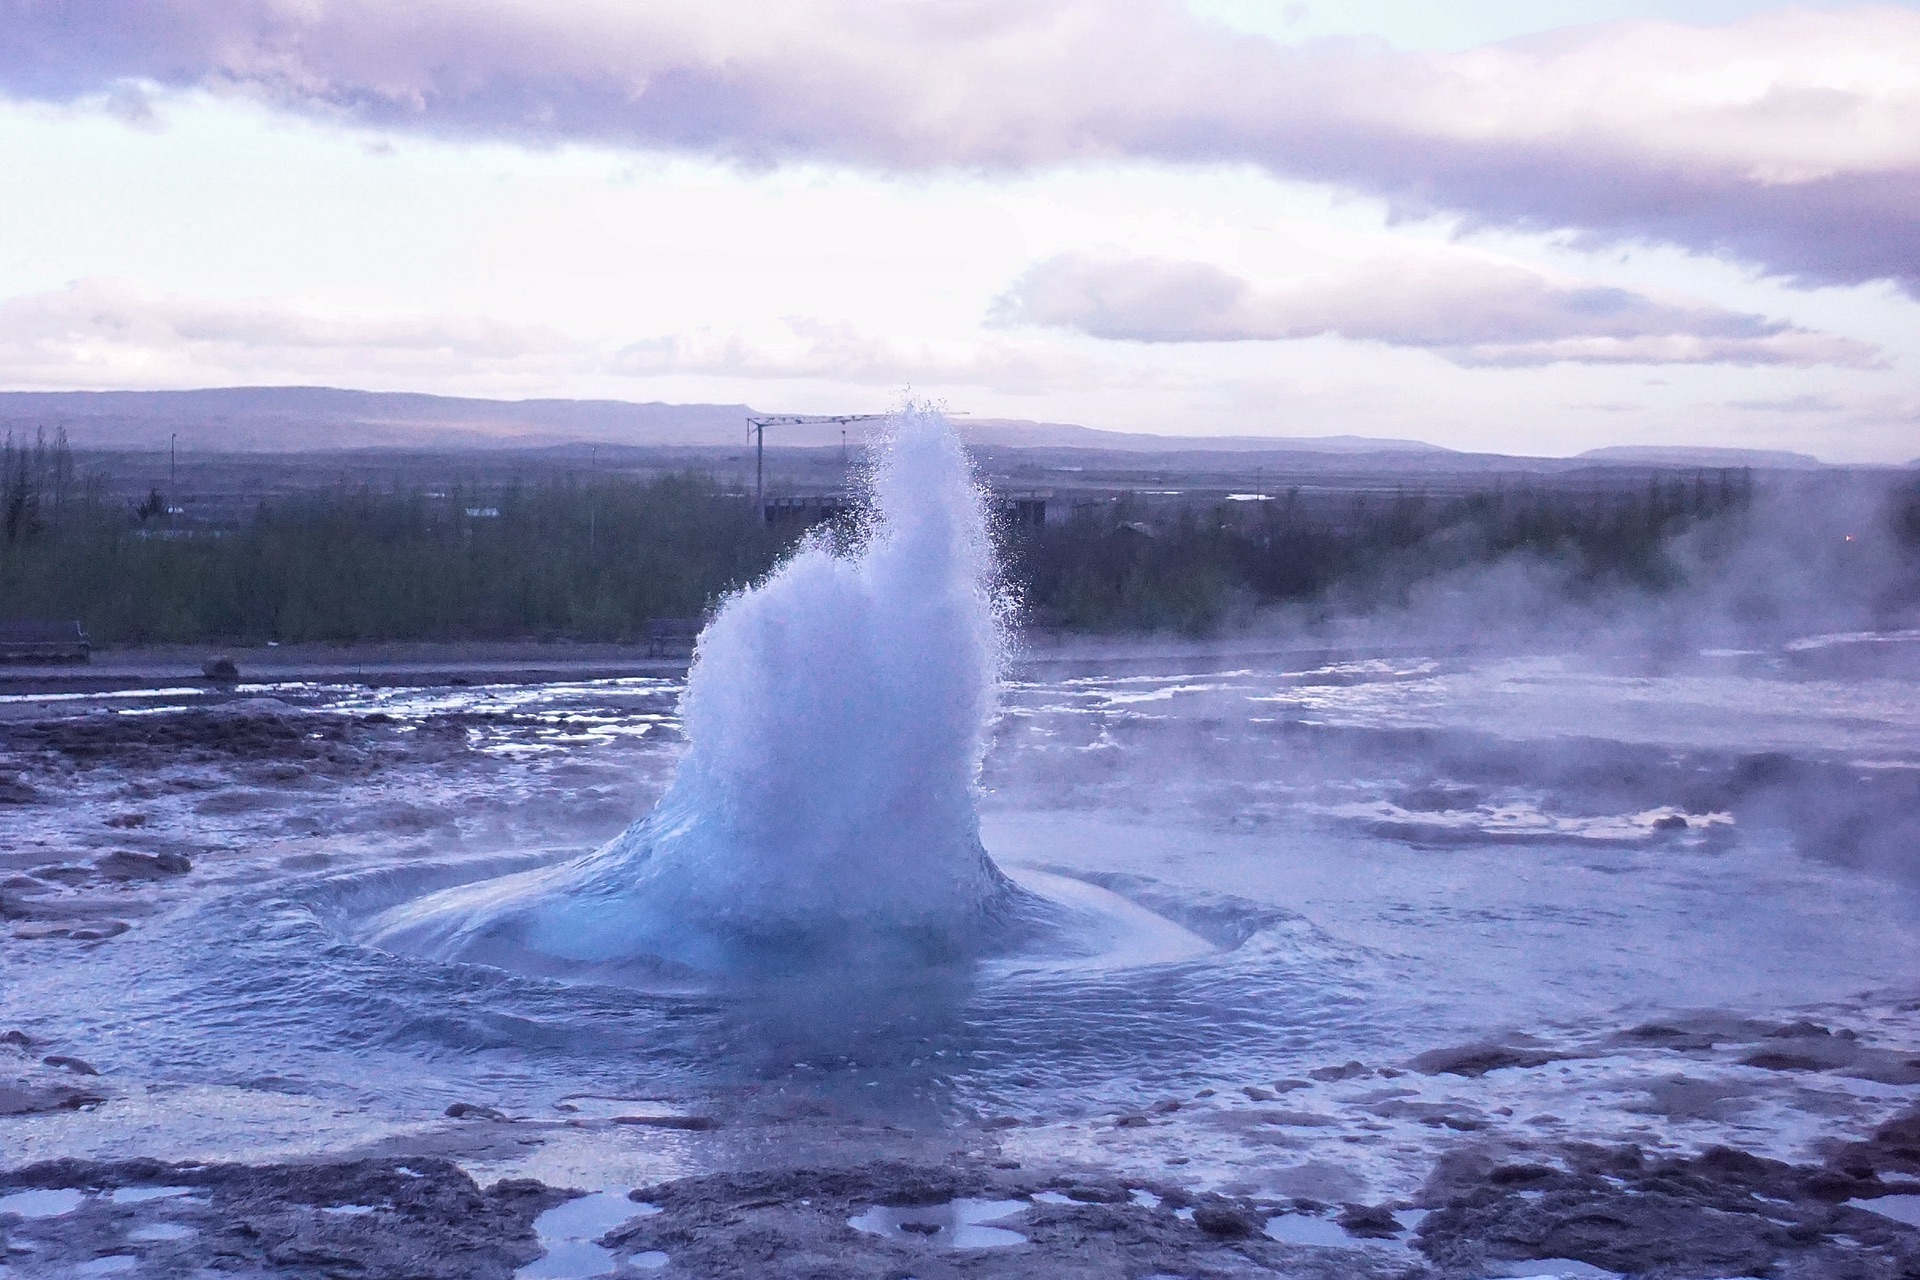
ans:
(176, 666)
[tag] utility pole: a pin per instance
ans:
(758, 427)
(172, 491)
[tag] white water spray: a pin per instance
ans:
(837, 715)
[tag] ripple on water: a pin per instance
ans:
(957, 1224)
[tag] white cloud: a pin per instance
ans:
(840, 352)
(1469, 309)
(1790, 139)
(110, 333)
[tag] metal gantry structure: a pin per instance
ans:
(757, 426)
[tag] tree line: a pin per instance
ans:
(560, 558)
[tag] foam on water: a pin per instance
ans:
(837, 716)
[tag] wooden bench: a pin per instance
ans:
(35, 641)
(672, 636)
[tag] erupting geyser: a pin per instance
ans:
(824, 810)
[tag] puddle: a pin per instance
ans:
(159, 1232)
(1553, 1269)
(108, 1266)
(1304, 1228)
(1900, 1208)
(957, 1224)
(135, 1195)
(41, 1204)
(349, 1210)
(568, 1232)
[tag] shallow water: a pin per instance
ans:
(1311, 862)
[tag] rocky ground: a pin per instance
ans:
(1494, 1204)
(1489, 1209)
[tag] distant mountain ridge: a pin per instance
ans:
(296, 419)
(277, 419)
(1681, 455)
(320, 419)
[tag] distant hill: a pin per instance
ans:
(1016, 433)
(308, 419)
(290, 419)
(1699, 456)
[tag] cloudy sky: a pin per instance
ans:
(1532, 226)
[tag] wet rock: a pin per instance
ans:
(1723, 1212)
(79, 1066)
(98, 932)
(125, 864)
(20, 1098)
(69, 929)
(1473, 1060)
(256, 729)
(426, 1218)
(1346, 1071)
(1227, 1222)
(220, 671)
(1774, 1061)
(17, 1040)
(14, 791)
(792, 1224)
(1804, 1030)
(127, 821)
(1894, 1148)
(278, 771)
(1257, 1094)
(1369, 1222)
(1520, 1175)
(690, 1124)
(473, 1111)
